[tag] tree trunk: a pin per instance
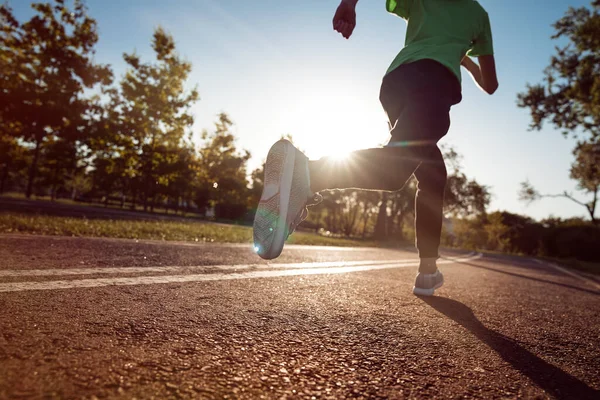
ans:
(592, 209)
(33, 168)
(133, 194)
(380, 225)
(365, 220)
(4, 176)
(53, 188)
(400, 225)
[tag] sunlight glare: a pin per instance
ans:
(328, 120)
(339, 155)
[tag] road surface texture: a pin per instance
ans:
(98, 318)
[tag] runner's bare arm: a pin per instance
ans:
(344, 20)
(483, 74)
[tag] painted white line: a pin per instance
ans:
(198, 245)
(201, 268)
(151, 280)
(571, 273)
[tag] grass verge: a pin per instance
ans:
(191, 231)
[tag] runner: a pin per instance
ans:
(418, 90)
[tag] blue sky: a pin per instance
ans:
(277, 67)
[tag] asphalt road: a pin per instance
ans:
(96, 318)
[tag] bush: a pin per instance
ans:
(512, 233)
(578, 242)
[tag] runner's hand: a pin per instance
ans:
(344, 20)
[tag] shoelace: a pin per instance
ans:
(314, 200)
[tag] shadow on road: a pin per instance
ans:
(550, 378)
(527, 277)
(519, 262)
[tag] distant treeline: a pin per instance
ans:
(70, 129)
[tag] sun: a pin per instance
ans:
(332, 121)
(339, 154)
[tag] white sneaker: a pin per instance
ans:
(286, 194)
(425, 284)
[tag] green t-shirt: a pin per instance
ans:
(442, 30)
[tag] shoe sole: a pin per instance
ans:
(283, 180)
(426, 292)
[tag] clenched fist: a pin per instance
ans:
(344, 20)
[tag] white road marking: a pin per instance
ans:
(571, 273)
(203, 268)
(198, 245)
(150, 280)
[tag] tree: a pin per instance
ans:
(114, 160)
(585, 170)
(515, 233)
(58, 163)
(569, 98)
(351, 206)
(257, 184)
(467, 233)
(47, 64)
(179, 190)
(381, 223)
(402, 205)
(222, 172)
(13, 159)
(369, 200)
(464, 197)
(154, 114)
(569, 95)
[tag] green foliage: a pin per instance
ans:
(132, 142)
(496, 233)
(47, 63)
(585, 170)
(571, 241)
(511, 233)
(464, 197)
(257, 184)
(569, 98)
(13, 162)
(465, 233)
(570, 94)
(386, 216)
(222, 172)
(141, 141)
(155, 114)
